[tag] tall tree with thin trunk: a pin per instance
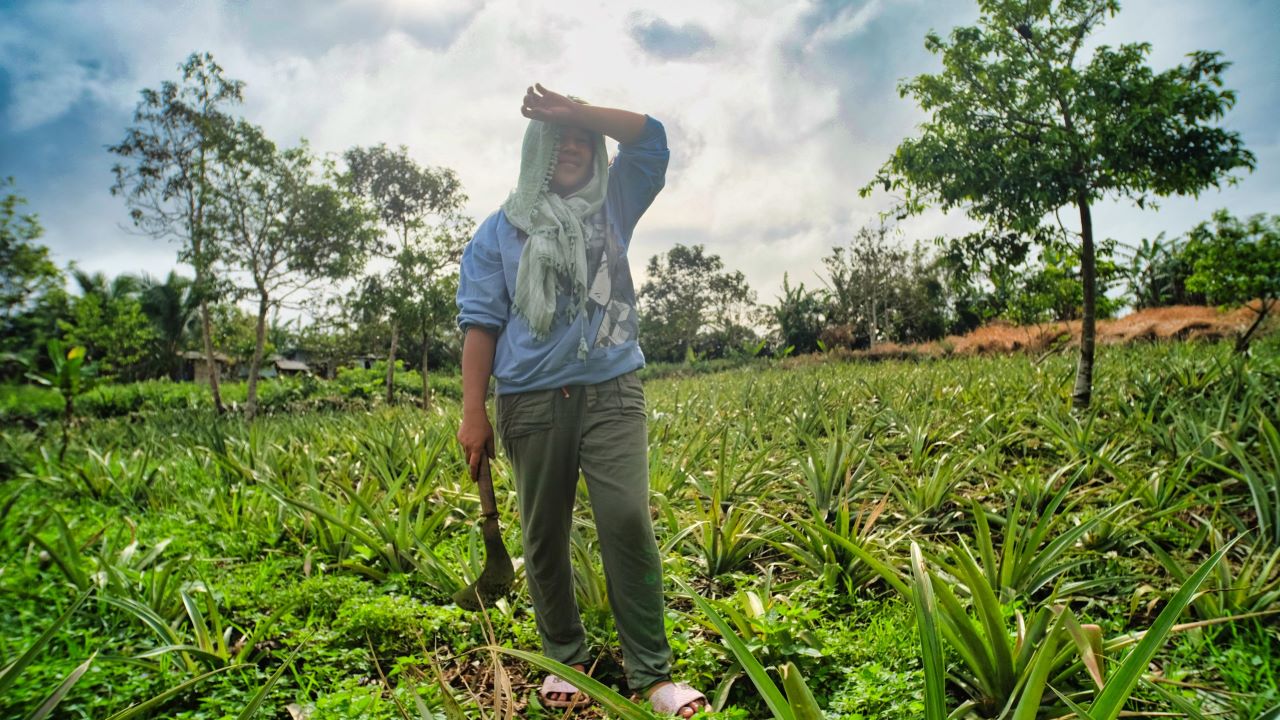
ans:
(423, 236)
(1021, 126)
(164, 173)
(286, 227)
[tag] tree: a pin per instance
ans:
(165, 172)
(107, 319)
(690, 302)
(234, 332)
(419, 211)
(1020, 127)
(31, 294)
(172, 306)
(923, 299)
(1234, 263)
(1157, 274)
(26, 270)
(284, 228)
(800, 315)
(862, 280)
(114, 331)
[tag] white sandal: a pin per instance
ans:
(573, 697)
(671, 698)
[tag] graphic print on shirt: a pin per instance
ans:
(610, 291)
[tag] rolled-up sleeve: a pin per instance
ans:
(482, 287)
(638, 173)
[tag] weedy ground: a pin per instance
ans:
(306, 560)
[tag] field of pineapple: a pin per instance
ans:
(899, 539)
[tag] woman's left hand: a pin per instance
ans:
(547, 106)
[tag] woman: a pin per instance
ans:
(547, 306)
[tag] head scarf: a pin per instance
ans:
(554, 258)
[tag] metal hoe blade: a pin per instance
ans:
(495, 580)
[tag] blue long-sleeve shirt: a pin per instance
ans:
(487, 282)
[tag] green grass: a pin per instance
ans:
(303, 557)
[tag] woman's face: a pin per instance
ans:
(573, 164)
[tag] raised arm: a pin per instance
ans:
(543, 104)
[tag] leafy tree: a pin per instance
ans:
(1030, 281)
(107, 319)
(690, 302)
(26, 270)
(235, 332)
(800, 315)
(105, 289)
(31, 294)
(424, 232)
(164, 173)
(284, 228)
(862, 280)
(328, 340)
(1020, 127)
(924, 302)
(172, 306)
(115, 333)
(982, 270)
(1048, 288)
(1235, 262)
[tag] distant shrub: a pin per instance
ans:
(28, 404)
(146, 396)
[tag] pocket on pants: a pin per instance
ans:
(521, 414)
(630, 393)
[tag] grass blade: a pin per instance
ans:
(10, 673)
(256, 701)
(146, 706)
(935, 700)
(1108, 704)
(773, 697)
(60, 692)
(608, 698)
(1042, 662)
(798, 694)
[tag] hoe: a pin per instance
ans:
(495, 580)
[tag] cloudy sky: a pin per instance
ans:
(776, 112)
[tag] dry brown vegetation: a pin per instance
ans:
(1180, 322)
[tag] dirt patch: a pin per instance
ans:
(1179, 322)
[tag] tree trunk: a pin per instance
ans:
(206, 332)
(391, 364)
(1242, 342)
(255, 363)
(426, 387)
(1083, 392)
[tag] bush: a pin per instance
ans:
(28, 404)
(371, 384)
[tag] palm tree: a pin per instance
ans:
(172, 306)
(106, 289)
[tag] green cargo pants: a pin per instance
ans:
(550, 435)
